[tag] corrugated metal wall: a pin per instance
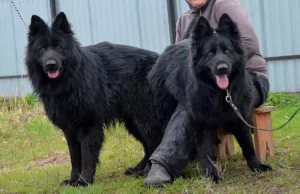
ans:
(277, 25)
(181, 7)
(145, 24)
(13, 38)
(132, 22)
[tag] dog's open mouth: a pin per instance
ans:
(222, 81)
(54, 74)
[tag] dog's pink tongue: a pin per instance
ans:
(53, 74)
(222, 81)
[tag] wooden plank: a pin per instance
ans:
(264, 109)
(263, 139)
(226, 146)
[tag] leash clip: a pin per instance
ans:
(228, 96)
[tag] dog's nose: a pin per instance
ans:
(222, 68)
(50, 63)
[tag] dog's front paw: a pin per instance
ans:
(213, 173)
(215, 177)
(262, 168)
(73, 183)
(81, 183)
(67, 182)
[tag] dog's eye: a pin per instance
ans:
(227, 51)
(211, 54)
(42, 50)
(58, 47)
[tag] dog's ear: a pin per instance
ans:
(201, 29)
(228, 28)
(62, 24)
(37, 25)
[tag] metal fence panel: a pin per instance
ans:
(15, 87)
(14, 39)
(284, 75)
(277, 25)
(133, 22)
(145, 24)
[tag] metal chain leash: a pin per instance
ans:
(18, 11)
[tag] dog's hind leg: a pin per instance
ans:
(149, 148)
(138, 169)
(244, 138)
(150, 137)
(142, 164)
(153, 139)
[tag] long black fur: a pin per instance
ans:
(97, 85)
(185, 72)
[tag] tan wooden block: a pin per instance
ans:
(264, 109)
(263, 139)
(226, 146)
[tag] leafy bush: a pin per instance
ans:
(13, 103)
(282, 99)
(31, 100)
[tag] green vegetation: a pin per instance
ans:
(34, 157)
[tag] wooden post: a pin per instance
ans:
(263, 139)
(226, 145)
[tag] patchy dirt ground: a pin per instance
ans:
(53, 159)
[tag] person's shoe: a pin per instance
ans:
(157, 176)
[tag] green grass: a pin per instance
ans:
(34, 157)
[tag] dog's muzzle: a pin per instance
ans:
(222, 69)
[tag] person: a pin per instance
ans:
(172, 155)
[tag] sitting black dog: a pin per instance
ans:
(199, 73)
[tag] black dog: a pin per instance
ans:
(196, 73)
(85, 88)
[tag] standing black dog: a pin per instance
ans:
(85, 88)
(197, 73)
